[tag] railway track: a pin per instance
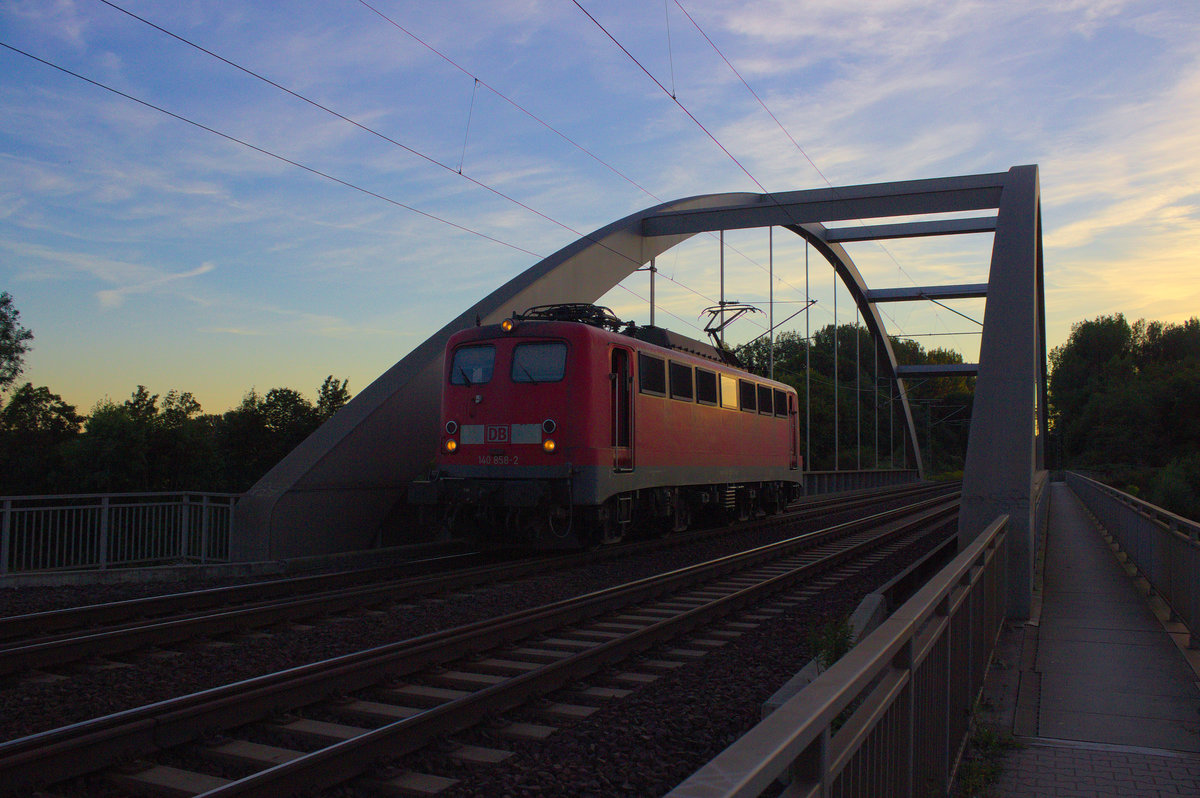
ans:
(394, 699)
(48, 640)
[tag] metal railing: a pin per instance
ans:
(816, 482)
(89, 531)
(890, 717)
(1163, 546)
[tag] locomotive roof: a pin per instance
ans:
(602, 317)
(660, 336)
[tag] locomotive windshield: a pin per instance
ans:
(539, 362)
(472, 365)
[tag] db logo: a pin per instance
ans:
(497, 434)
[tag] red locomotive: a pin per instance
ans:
(568, 427)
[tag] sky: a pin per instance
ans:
(389, 163)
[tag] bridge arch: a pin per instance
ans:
(335, 490)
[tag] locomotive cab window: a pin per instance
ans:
(681, 381)
(652, 375)
(706, 387)
(764, 400)
(780, 403)
(539, 362)
(729, 392)
(746, 393)
(472, 365)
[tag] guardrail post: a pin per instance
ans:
(906, 707)
(5, 534)
(184, 512)
(103, 553)
(812, 766)
(1193, 599)
(205, 511)
(233, 500)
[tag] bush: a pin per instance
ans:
(1175, 487)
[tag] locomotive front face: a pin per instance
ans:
(508, 411)
(501, 399)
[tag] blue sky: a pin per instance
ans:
(144, 250)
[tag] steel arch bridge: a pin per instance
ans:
(333, 492)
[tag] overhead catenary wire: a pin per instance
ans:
(389, 139)
(428, 158)
(702, 127)
(268, 153)
(297, 164)
(542, 122)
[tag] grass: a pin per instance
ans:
(980, 767)
(831, 641)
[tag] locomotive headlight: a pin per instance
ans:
(451, 427)
(548, 446)
(548, 426)
(451, 446)
(508, 325)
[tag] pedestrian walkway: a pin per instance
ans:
(1101, 698)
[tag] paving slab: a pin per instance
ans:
(1055, 768)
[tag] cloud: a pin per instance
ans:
(115, 297)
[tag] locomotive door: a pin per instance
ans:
(794, 422)
(621, 377)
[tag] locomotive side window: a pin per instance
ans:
(746, 393)
(681, 381)
(780, 403)
(706, 387)
(729, 392)
(652, 375)
(539, 362)
(472, 365)
(764, 400)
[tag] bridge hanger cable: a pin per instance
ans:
(791, 138)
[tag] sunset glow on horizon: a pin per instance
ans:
(171, 219)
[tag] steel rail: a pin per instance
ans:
(83, 747)
(53, 650)
(339, 762)
(90, 616)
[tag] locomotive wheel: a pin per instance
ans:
(681, 517)
(559, 520)
(772, 500)
(610, 528)
(451, 525)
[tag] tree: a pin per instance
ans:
(332, 396)
(138, 446)
(943, 404)
(37, 410)
(289, 415)
(14, 342)
(112, 453)
(1123, 402)
(35, 425)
